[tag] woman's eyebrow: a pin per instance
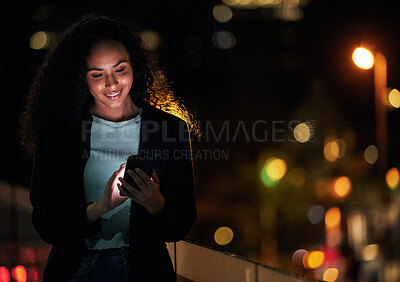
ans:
(116, 65)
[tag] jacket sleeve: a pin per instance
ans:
(179, 213)
(59, 216)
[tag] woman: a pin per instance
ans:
(87, 111)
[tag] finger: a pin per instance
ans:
(154, 177)
(122, 191)
(121, 169)
(131, 191)
(144, 176)
(128, 194)
(138, 179)
(111, 179)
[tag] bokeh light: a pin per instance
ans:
(151, 39)
(288, 12)
(222, 13)
(223, 236)
(394, 98)
(331, 274)
(224, 39)
(370, 252)
(371, 154)
(392, 178)
(315, 214)
(231, 2)
(332, 218)
(4, 274)
(273, 171)
(302, 132)
(357, 229)
(276, 169)
(363, 58)
(41, 40)
(335, 149)
(313, 259)
(19, 273)
(297, 257)
(33, 274)
(342, 186)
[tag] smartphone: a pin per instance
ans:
(134, 161)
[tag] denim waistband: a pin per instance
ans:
(110, 252)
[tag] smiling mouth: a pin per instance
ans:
(113, 94)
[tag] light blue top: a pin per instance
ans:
(110, 145)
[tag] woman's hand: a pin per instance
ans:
(110, 198)
(148, 195)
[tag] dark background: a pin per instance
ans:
(277, 71)
(266, 75)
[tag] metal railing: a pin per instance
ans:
(201, 263)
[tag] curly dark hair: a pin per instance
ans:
(59, 93)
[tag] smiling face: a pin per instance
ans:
(109, 77)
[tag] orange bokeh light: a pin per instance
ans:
(363, 58)
(332, 218)
(342, 186)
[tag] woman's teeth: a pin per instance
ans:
(113, 94)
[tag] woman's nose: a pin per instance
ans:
(110, 81)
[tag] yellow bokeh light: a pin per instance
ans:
(363, 58)
(244, 2)
(331, 151)
(332, 218)
(19, 273)
(342, 147)
(392, 178)
(371, 154)
(370, 252)
(302, 132)
(222, 13)
(151, 39)
(223, 235)
(313, 259)
(335, 149)
(394, 98)
(39, 40)
(231, 2)
(276, 169)
(342, 186)
(331, 274)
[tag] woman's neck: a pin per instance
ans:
(116, 115)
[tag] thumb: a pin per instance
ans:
(111, 179)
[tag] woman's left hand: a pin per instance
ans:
(148, 195)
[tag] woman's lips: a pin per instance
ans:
(114, 94)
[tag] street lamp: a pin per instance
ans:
(364, 59)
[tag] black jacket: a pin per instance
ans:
(59, 207)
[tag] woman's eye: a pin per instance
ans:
(120, 70)
(97, 75)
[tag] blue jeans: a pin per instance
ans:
(103, 265)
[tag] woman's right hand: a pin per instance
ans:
(111, 197)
